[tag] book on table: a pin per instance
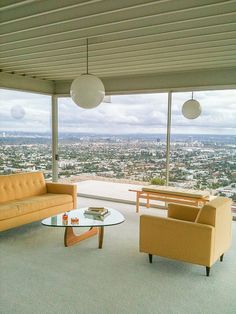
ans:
(97, 217)
(96, 211)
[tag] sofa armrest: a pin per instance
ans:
(183, 212)
(177, 239)
(62, 188)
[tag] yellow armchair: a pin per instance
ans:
(189, 234)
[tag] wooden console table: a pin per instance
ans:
(170, 196)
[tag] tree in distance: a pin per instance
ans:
(158, 181)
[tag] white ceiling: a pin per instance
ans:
(47, 38)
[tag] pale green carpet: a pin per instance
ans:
(39, 275)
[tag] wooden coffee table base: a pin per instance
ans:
(70, 238)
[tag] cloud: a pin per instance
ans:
(37, 110)
(145, 113)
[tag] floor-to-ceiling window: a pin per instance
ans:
(124, 139)
(25, 132)
(203, 150)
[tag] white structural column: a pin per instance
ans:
(55, 156)
(168, 137)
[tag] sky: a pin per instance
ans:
(140, 113)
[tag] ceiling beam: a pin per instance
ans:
(163, 82)
(150, 70)
(25, 83)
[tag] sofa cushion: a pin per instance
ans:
(32, 204)
(22, 185)
(8, 210)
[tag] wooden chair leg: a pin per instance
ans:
(148, 201)
(222, 257)
(150, 258)
(208, 271)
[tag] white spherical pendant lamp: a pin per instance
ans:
(17, 112)
(87, 90)
(191, 109)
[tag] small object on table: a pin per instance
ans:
(65, 218)
(74, 220)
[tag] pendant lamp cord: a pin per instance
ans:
(87, 54)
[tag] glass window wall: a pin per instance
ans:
(203, 150)
(123, 140)
(25, 133)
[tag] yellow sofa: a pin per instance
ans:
(26, 197)
(190, 234)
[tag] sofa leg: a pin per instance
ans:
(222, 257)
(208, 270)
(150, 258)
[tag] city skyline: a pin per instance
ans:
(127, 114)
(205, 162)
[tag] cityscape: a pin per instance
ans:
(196, 161)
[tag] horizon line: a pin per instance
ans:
(117, 134)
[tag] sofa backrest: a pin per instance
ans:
(217, 213)
(17, 186)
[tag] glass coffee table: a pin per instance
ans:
(95, 226)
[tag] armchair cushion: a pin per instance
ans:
(207, 215)
(183, 212)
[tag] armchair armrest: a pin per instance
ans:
(177, 239)
(183, 212)
(62, 188)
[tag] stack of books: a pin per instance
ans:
(99, 213)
